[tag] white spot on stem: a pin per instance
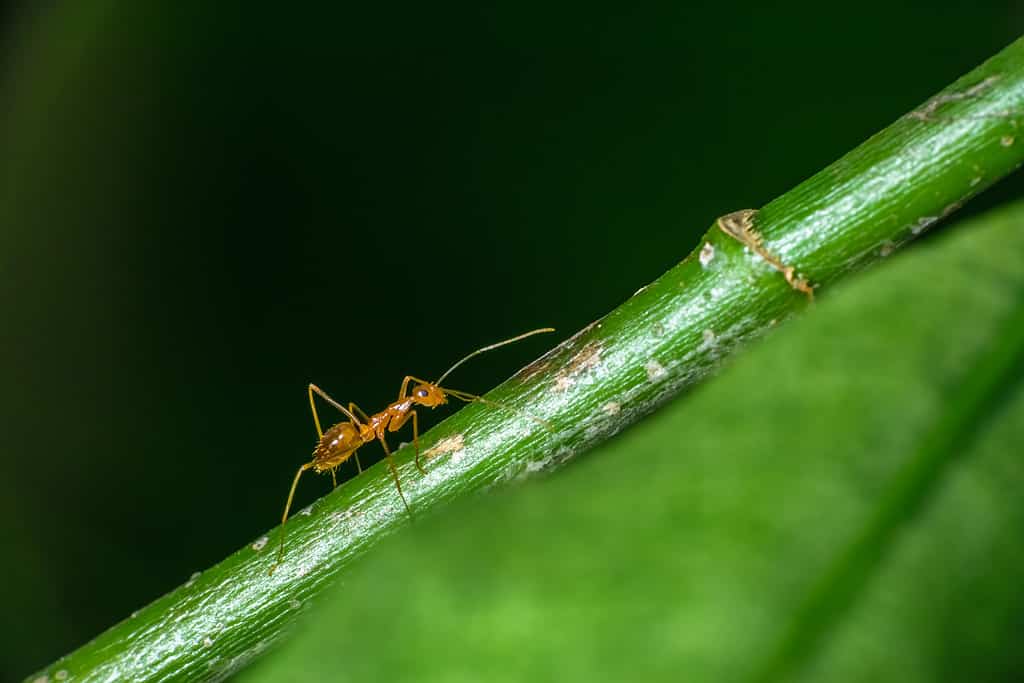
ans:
(260, 543)
(611, 408)
(922, 224)
(707, 253)
(655, 370)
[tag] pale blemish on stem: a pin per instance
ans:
(449, 444)
(611, 408)
(655, 370)
(260, 543)
(707, 253)
(1006, 140)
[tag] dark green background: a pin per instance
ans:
(203, 209)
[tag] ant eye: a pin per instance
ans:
(422, 393)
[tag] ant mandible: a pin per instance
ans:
(341, 441)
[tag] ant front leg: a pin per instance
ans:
(404, 390)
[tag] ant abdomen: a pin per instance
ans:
(337, 445)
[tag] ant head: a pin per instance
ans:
(428, 395)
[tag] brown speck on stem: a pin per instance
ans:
(1006, 140)
(587, 358)
(927, 112)
(533, 369)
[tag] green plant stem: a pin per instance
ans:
(668, 336)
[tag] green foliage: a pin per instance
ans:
(843, 503)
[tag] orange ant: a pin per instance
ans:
(341, 441)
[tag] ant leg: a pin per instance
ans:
(312, 406)
(356, 409)
(323, 394)
(334, 478)
(366, 418)
(405, 386)
(284, 517)
(398, 424)
(394, 475)
(416, 441)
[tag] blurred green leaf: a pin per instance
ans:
(843, 503)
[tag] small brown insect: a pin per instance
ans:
(740, 226)
(341, 441)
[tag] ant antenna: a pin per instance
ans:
(494, 346)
